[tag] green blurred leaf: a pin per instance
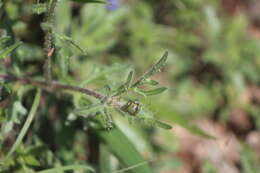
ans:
(8, 50)
(118, 142)
(39, 8)
(88, 110)
(68, 168)
(4, 39)
(163, 125)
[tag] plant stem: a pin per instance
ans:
(48, 38)
(53, 85)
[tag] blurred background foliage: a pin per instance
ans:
(212, 77)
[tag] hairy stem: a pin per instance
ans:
(48, 38)
(53, 85)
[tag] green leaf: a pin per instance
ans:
(152, 122)
(124, 150)
(154, 91)
(169, 113)
(8, 50)
(67, 168)
(27, 123)
(123, 88)
(69, 40)
(89, 1)
(129, 79)
(156, 68)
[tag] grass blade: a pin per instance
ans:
(27, 123)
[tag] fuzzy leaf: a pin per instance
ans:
(88, 110)
(123, 88)
(8, 50)
(156, 68)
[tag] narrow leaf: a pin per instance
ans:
(27, 123)
(8, 50)
(163, 125)
(67, 168)
(117, 142)
(123, 88)
(156, 68)
(129, 79)
(154, 91)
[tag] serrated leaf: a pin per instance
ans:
(8, 50)
(117, 142)
(154, 91)
(156, 68)
(89, 1)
